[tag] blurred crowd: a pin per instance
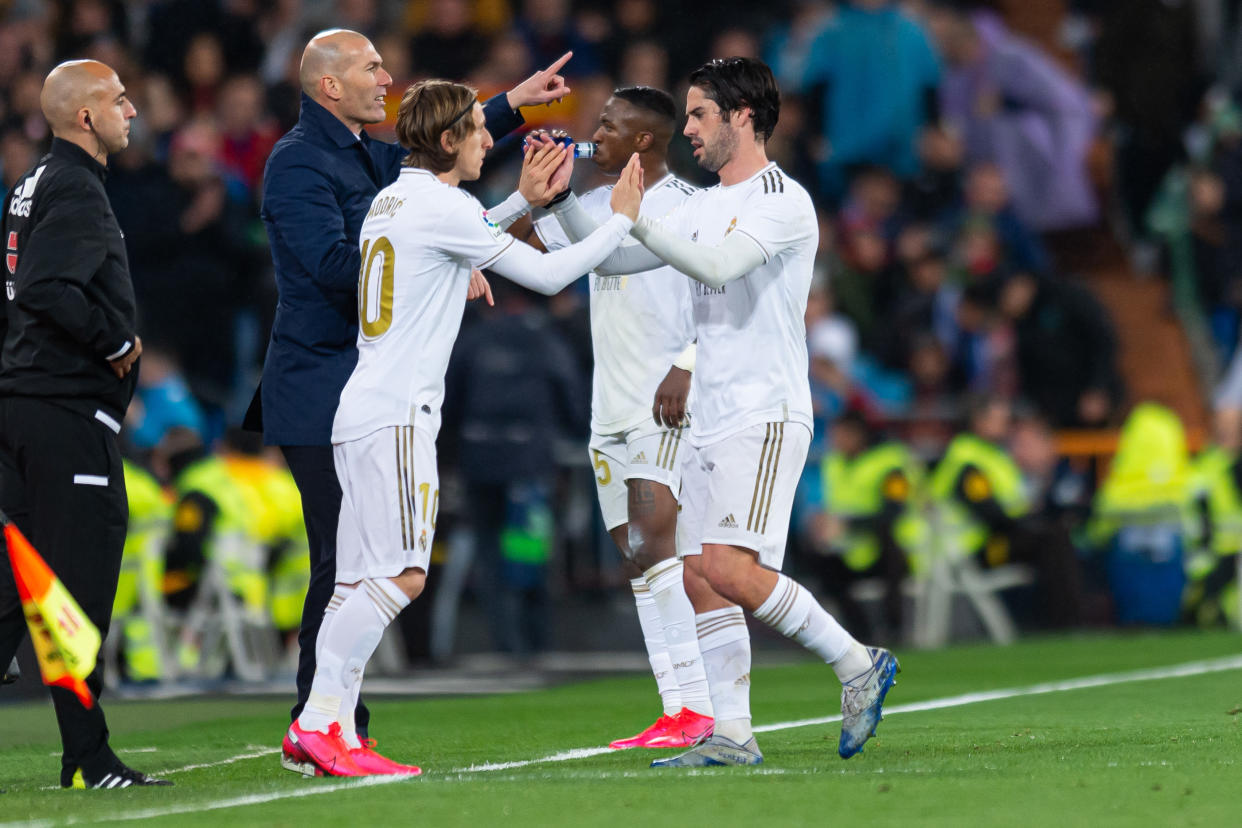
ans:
(960, 158)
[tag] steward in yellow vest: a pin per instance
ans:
(215, 519)
(277, 506)
(1144, 516)
(871, 527)
(1212, 592)
(982, 512)
(136, 609)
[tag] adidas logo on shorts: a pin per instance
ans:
(728, 522)
(641, 457)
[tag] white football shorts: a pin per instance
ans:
(390, 492)
(646, 451)
(740, 491)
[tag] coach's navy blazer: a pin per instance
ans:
(317, 188)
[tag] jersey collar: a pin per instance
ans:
(667, 177)
(74, 154)
(768, 167)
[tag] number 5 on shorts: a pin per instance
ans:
(603, 474)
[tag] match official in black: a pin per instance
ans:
(68, 368)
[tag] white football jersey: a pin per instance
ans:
(419, 242)
(752, 366)
(639, 324)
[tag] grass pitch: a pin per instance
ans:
(1116, 750)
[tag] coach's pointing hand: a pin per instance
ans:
(545, 86)
(627, 195)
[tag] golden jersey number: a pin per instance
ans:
(425, 490)
(373, 320)
(603, 474)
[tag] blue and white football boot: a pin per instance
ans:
(862, 697)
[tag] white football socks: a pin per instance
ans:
(681, 639)
(725, 643)
(348, 643)
(349, 702)
(794, 613)
(657, 652)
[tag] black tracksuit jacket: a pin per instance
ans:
(68, 303)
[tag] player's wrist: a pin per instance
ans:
(560, 198)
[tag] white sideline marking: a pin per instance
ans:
(235, 802)
(563, 756)
(1192, 668)
(256, 751)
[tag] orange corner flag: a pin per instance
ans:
(65, 640)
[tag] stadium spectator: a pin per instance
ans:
(986, 514)
(986, 199)
(873, 74)
(17, 154)
(1147, 61)
(1066, 350)
(449, 44)
(203, 71)
(788, 44)
(247, 134)
(194, 257)
(867, 522)
(1016, 108)
(548, 30)
(161, 402)
(513, 390)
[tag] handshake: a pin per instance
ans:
(548, 166)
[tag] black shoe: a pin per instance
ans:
(12, 674)
(118, 775)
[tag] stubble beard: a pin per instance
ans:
(722, 151)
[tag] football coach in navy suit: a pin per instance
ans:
(317, 187)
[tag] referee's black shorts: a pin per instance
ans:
(62, 483)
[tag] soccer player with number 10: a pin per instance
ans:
(420, 242)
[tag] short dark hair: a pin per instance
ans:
(741, 82)
(428, 108)
(653, 100)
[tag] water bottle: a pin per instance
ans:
(582, 149)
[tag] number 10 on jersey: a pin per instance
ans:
(375, 289)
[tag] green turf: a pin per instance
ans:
(1157, 752)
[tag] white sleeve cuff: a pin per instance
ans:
(124, 349)
(509, 210)
(685, 360)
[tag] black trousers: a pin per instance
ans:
(315, 474)
(62, 484)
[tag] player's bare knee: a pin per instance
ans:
(698, 588)
(652, 522)
(727, 571)
(411, 582)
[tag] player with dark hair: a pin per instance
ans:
(638, 328)
(750, 244)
